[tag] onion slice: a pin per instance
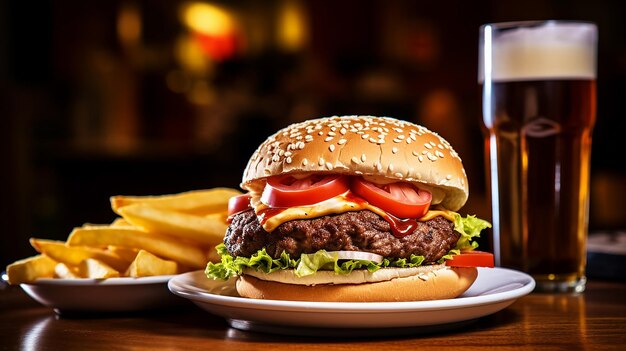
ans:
(357, 255)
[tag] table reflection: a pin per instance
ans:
(31, 340)
(570, 307)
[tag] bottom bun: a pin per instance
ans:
(444, 283)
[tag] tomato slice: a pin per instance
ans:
(471, 259)
(400, 199)
(287, 191)
(238, 204)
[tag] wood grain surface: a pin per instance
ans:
(590, 321)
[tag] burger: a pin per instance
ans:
(352, 209)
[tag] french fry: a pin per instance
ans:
(63, 271)
(147, 264)
(29, 269)
(134, 238)
(213, 256)
(198, 202)
(120, 222)
(126, 253)
(222, 217)
(158, 235)
(158, 220)
(73, 256)
(94, 269)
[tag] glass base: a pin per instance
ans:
(552, 283)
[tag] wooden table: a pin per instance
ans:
(593, 320)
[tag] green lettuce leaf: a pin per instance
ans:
(261, 261)
(322, 260)
(470, 228)
(308, 264)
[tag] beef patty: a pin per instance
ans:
(351, 231)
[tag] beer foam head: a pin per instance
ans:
(538, 50)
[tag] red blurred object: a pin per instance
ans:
(217, 47)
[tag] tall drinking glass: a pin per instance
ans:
(539, 107)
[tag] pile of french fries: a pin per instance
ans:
(154, 235)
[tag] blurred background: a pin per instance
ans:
(139, 97)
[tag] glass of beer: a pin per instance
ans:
(539, 107)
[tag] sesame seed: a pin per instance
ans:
(396, 140)
(394, 150)
(439, 153)
(433, 143)
(398, 130)
(432, 157)
(424, 152)
(281, 152)
(390, 167)
(331, 147)
(288, 159)
(288, 153)
(428, 146)
(328, 139)
(275, 158)
(321, 161)
(342, 141)
(365, 136)
(420, 158)
(414, 153)
(320, 133)
(372, 140)
(449, 176)
(409, 140)
(400, 137)
(412, 136)
(354, 160)
(305, 162)
(300, 145)
(378, 166)
(440, 146)
(332, 133)
(329, 165)
(363, 158)
(398, 174)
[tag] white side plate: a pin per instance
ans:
(104, 295)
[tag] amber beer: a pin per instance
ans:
(539, 103)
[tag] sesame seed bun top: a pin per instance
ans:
(380, 149)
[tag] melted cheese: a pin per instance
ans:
(335, 205)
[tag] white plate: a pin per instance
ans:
(493, 290)
(102, 295)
